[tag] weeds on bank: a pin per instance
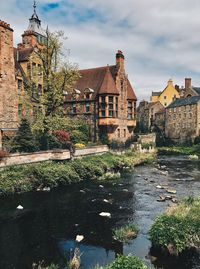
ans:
(179, 227)
(125, 233)
(51, 174)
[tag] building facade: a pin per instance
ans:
(146, 115)
(8, 89)
(105, 97)
(183, 119)
(167, 96)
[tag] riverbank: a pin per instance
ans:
(179, 228)
(193, 150)
(48, 175)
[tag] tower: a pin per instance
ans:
(34, 35)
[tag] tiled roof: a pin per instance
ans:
(102, 81)
(196, 89)
(130, 92)
(185, 101)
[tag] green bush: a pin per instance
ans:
(78, 137)
(179, 227)
(125, 233)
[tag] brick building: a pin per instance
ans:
(183, 119)
(105, 97)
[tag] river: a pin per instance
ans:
(47, 226)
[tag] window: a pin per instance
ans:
(20, 110)
(87, 107)
(165, 97)
(103, 106)
(33, 69)
(174, 116)
(74, 108)
(130, 110)
(124, 133)
(19, 84)
(122, 85)
(118, 133)
(39, 89)
(116, 107)
(110, 107)
(165, 104)
(35, 111)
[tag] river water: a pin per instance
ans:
(46, 228)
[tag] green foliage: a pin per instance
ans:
(125, 233)
(24, 141)
(78, 137)
(125, 262)
(180, 226)
(148, 145)
(195, 149)
(30, 177)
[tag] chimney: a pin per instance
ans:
(170, 82)
(188, 83)
(120, 59)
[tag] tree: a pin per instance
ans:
(59, 77)
(24, 141)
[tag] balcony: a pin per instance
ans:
(108, 121)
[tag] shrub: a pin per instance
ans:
(78, 137)
(166, 229)
(79, 146)
(24, 141)
(62, 136)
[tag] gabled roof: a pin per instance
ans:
(185, 101)
(108, 84)
(102, 80)
(130, 92)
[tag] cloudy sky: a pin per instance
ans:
(160, 38)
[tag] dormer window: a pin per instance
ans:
(88, 93)
(75, 94)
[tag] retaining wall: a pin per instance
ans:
(55, 155)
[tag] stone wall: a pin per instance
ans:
(50, 155)
(147, 138)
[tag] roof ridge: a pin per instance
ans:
(100, 67)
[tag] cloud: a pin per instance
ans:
(159, 38)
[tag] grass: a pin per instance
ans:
(125, 233)
(26, 178)
(195, 149)
(179, 227)
(125, 262)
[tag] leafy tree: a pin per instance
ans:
(24, 141)
(59, 77)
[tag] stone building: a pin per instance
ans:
(190, 90)
(183, 119)
(146, 115)
(105, 97)
(8, 89)
(167, 96)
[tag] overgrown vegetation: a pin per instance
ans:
(125, 233)
(195, 149)
(125, 262)
(179, 228)
(51, 174)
